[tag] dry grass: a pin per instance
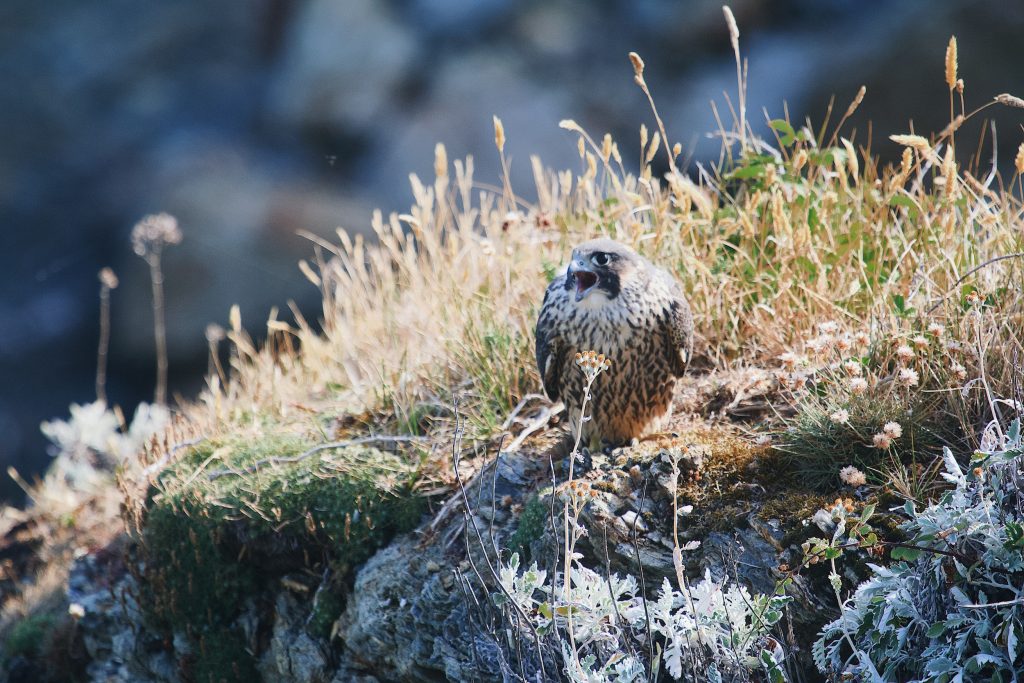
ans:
(807, 227)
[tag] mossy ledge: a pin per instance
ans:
(281, 506)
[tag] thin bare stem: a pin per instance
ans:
(108, 281)
(156, 277)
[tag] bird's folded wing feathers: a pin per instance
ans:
(550, 349)
(679, 334)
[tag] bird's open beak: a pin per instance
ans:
(583, 278)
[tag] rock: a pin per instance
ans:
(293, 656)
(343, 66)
(464, 95)
(457, 17)
(119, 649)
(396, 621)
(633, 521)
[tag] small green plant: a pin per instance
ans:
(28, 635)
(532, 523)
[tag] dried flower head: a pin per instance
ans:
(959, 371)
(936, 330)
(829, 327)
(893, 430)
(789, 360)
(154, 231)
(215, 333)
(853, 368)
(920, 342)
(592, 363)
(882, 441)
(907, 377)
(851, 476)
(108, 278)
(820, 344)
(793, 381)
(904, 353)
(844, 344)
(841, 416)
(861, 338)
(858, 385)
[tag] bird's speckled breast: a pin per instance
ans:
(637, 390)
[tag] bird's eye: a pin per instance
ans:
(601, 259)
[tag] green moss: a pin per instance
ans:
(326, 611)
(27, 636)
(531, 527)
(222, 658)
(231, 517)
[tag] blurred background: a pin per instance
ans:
(252, 120)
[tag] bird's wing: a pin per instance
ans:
(679, 332)
(550, 348)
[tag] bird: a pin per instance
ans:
(611, 300)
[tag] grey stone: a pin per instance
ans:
(343, 65)
(293, 656)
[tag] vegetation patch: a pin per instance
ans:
(231, 516)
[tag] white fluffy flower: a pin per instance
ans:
(908, 377)
(841, 416)
(820, 344)
(851, 476)
(830, 327)
(904, 353)
(858, 385)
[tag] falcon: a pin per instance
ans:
(614, 301)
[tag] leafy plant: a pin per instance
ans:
(952, 608)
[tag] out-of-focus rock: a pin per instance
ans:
(343, 65)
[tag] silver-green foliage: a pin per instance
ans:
(716, 628)
(953, 612)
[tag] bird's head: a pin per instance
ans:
(599, 269)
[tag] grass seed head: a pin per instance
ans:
(951, 63)
(1010, 100)
(499, 134)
